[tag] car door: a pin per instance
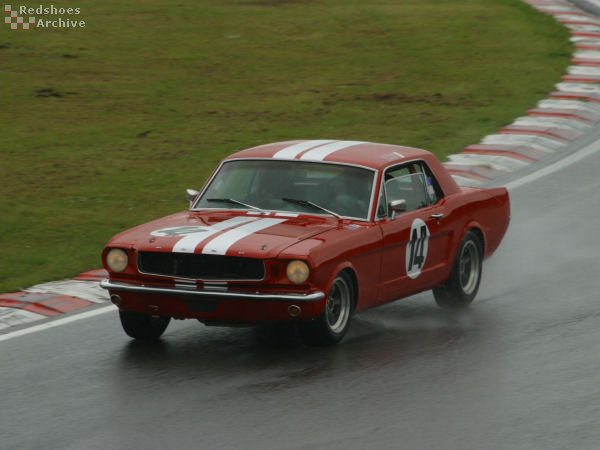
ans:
(411, 215)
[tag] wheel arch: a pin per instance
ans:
(476, 228)
(477, 231)
(354, 280)
(348, 269)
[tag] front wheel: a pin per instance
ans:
(331, 326)
(146, 327)
(462, 286)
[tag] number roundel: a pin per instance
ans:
(416, 250)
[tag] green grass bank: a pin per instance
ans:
(103, 127)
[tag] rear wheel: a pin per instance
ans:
(147, 327)
(331, 326)
(463, 284)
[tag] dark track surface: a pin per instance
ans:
(587, 6)
(520, 369)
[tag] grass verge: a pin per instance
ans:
(103, 127)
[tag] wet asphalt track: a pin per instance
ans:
(520, 369)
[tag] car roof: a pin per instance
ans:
(366, 154)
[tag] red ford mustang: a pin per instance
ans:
(309, 232)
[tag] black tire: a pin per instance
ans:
(146, 327)
(331, 326)
(462, 286)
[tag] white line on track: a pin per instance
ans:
(560, 164)
(594, 2)
(56, 323)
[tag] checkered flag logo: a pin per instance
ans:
(14, 20)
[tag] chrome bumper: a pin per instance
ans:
(151, 289)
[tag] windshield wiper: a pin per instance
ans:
(233, 201)
(311, 204)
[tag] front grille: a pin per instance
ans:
(201, 267)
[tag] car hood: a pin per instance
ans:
(243, 233)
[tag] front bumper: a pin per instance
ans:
(214, 304)
(120, 286)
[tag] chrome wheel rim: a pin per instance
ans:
(337, 308)
(469, 267)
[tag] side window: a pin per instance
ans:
(413, 182)
(434, 192)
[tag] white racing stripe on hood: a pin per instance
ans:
(189, 243)
(320, 153)
(294, 150)
(220, 244)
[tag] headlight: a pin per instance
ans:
(297, 271)
(117, 260)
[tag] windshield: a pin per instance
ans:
(291, 186)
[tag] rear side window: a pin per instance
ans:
(412, 182)
(434, 192)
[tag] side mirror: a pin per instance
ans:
(397, 206)
(190, 195)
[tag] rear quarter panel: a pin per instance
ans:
(487, 210)
(496, 218)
